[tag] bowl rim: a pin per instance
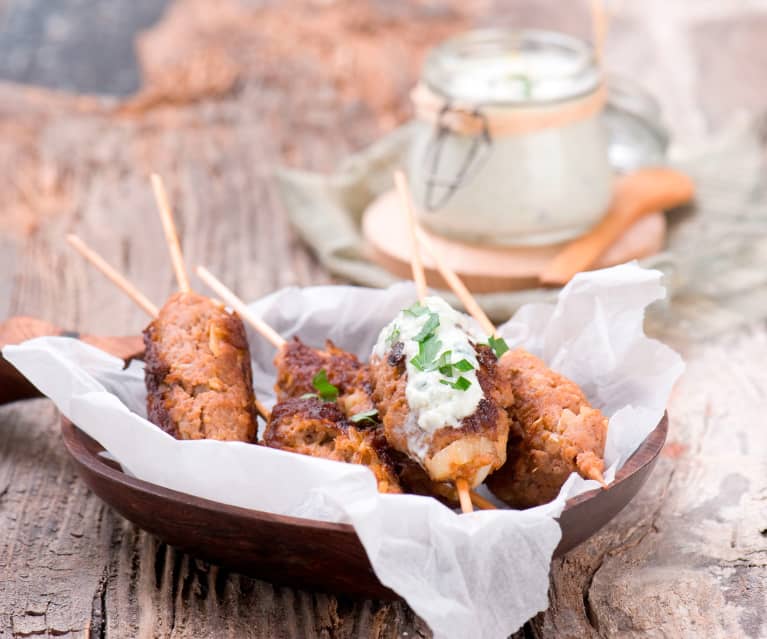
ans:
(85, 451)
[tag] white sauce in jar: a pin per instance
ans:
(535, 184)
(434, 404)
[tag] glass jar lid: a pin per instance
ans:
(505, 67)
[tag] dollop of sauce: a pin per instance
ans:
(433, 400)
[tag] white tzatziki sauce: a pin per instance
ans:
(433, 400)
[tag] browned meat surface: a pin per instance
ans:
(484, 433)
(554, 432)
(310, 426)
(198, 374)
(297, 364)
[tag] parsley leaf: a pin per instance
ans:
(464, 365)
(460, 384)
(498, 344)
(427, 353)
(326, 390)
(428, 327)
(416, 310)
(366, 415)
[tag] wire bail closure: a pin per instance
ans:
(485, 123)
(476, 156)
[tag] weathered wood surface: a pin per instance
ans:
(229, 96)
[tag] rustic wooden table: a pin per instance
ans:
(233, 90)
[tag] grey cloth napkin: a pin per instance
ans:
(715, 264)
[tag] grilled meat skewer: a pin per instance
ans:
(554, 432)
(298, 364)
(311, 426)
(198, 373)
(438, 395)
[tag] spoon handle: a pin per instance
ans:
(636, 195)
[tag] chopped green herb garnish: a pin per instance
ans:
(393, 336)
(427, 353)
(428, 327)
(416, 310)
(309, 395)
(443, 364)
(464, 365)
(527, 84)
(326, 390)
(367, 415)
(460, 384)
(499, 345)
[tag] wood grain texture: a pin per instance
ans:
(687, 559)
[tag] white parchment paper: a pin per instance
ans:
(477, 575)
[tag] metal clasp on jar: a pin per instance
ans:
(475, 158)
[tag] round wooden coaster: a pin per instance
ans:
(487, 269)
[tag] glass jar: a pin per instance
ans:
(510, 146)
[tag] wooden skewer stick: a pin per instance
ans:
(112, 275)
(462, 486)
(419, 277)
(263, 410)
(415, 255)
(481, 502)
(171, 235)
(238, 305)
(599, 24)
(456, 285)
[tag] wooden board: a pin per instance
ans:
(486, 269)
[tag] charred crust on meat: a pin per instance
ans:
(397, 357)
(311, 408)
(155, 371)
(486, 374)
(486, 415)
(297, 364)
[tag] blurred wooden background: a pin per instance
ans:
(215, 95)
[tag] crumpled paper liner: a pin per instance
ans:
(477, 575)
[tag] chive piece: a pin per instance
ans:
(428, 349)
(443, 364)
(498, 344)
(527, 84)
(460, 384)
(309, 396)
(366, 415)
(416, 310)
(427, 352)
(326, 390)
(428, 327)
(464, 365)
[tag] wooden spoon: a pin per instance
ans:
(636, 195)
(14, 386)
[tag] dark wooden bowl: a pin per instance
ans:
(301, 552)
